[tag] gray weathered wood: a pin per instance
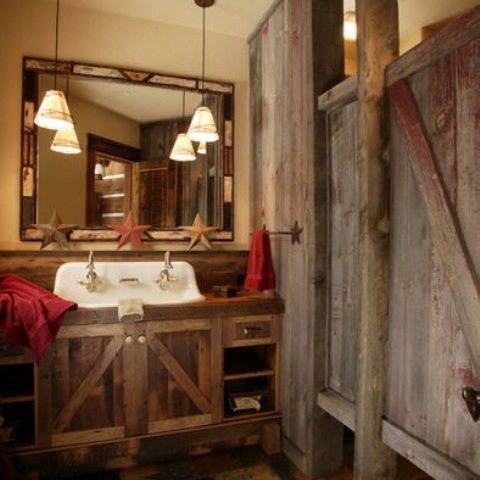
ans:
(447, 236)
(377, 46)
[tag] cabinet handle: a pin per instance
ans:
(251, 330)
(142, 339)
(128, 339)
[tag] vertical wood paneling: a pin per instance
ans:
(429, 361)
(343, 239)
(283, 92)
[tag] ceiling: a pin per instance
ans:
(236, 18)
(240, 17)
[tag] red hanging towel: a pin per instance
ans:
(30, 315)
(260, 273)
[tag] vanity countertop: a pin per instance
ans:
(246, 303)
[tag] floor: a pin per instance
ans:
(247, 463)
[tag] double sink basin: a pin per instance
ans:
(114, 281)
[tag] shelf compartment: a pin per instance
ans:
(244, 362)
(18, 424)
(17, 381)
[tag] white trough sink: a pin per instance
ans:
(123, 280)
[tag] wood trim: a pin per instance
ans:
(87, 436)
(450, 38)
(182, 423)
(341, 94)
(80, 331)
(446, 232)
(430, 461)
(338, 407)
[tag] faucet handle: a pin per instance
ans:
(166, 261)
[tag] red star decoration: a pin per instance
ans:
(130, 232)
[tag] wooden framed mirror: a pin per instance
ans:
(141, 112)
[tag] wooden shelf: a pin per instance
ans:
(4, 399)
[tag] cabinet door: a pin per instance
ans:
(81, 392)
(184, 374)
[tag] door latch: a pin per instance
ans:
(472, 399)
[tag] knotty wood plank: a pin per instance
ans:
(179, 374)
(61, 421)
(447, 236)
(377, 46)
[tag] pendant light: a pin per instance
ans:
(202, 127)
(66, 141)
(202, 148)
(182, 150)
(53, 112)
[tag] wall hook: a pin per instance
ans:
(295, 232)
(472, 399)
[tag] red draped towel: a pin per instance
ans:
(260, 273)
(30, 315)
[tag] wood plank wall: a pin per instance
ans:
(211, 268)
(296, 55)
(429, 361)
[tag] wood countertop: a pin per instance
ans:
(246, 303)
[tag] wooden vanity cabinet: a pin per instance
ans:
(112, 381)
(108, 394)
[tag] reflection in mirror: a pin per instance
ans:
(127, 122)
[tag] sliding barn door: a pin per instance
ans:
(433, 351)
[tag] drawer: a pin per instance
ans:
(252, 330)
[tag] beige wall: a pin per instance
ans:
(27, 27)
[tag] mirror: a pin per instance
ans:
(127, 121)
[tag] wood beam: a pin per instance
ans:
(377, 47)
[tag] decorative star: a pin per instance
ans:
(296, 231)
(130, 232)
(199, 232)
(55, 231)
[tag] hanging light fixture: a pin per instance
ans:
(202, 148)
(53, 112)
(202, 127)
(66, 141)
(182, 150)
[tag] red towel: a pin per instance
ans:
(260, 273)
(29, 314)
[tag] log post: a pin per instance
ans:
(377, 46)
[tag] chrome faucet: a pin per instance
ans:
(91, 280)
(164, 278)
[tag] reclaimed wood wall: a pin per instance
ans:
(432, 350)
(296, 55)
(211, 268)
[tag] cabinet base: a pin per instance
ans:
(135, 451)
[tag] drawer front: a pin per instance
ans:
(254, 330)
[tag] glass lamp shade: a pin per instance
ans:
(202, 148)
(99, 171)
(53, 112)
(182, 150)
(66, 141)
(202, 127)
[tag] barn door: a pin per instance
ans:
(434, 303)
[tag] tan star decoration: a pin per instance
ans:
(55, 231)
(130, 232)
(199, 232)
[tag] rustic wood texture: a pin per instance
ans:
(288, 185)
(211, 268)
(377, 45)
(429, 361)
(341, 107)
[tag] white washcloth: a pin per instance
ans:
(130, 310)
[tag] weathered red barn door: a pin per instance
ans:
(434, 302)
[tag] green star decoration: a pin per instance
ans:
(55, 231)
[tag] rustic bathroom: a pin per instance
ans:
(238, 240)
